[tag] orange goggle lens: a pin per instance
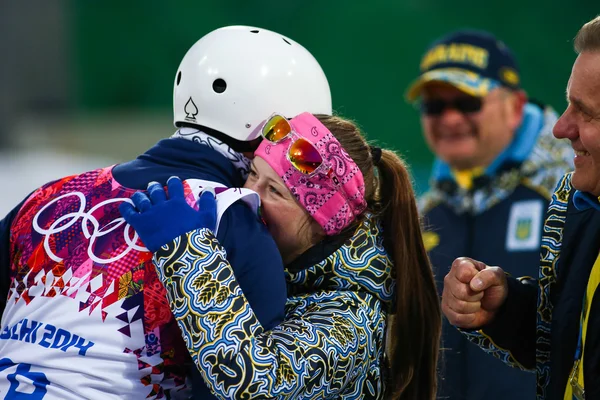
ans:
(304, 156)
(276, 129)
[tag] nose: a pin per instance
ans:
(253, 185)
(250, 184)
(566, 126)
(451, 117)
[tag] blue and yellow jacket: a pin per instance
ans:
(497, 219)
(331, 343)
(538, 326)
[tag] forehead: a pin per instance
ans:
(584, 83)
(265, 169)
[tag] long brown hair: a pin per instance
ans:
(414, 323)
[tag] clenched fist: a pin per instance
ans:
(473, 293)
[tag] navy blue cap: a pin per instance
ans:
(473, 61)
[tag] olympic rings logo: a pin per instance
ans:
(96, 233)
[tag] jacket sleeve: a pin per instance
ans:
(256, 263)
(511, 337)
(313, 354)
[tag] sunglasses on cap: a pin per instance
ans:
(465, 105)
(302, 154)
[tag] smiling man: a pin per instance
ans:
(580, 123)
(496, 166)
(551, 325)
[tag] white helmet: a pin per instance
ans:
(235, 77)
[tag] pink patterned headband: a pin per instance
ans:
(333, 199)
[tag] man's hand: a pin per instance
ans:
(473, 293)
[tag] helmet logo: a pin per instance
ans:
(190, 110)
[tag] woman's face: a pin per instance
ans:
(292, 228)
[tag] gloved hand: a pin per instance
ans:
(158, 220)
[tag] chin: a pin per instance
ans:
(457, 160)
(456, 154)
(582, 182)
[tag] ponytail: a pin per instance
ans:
(414, 323)
(414, 327)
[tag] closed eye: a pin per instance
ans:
(586, 116)
(582, 109)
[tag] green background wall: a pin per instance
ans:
(125, 54)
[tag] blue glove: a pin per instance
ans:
(159, 220)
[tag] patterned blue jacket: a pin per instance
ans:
(330, 345)
(499, 221)
(537, 328)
